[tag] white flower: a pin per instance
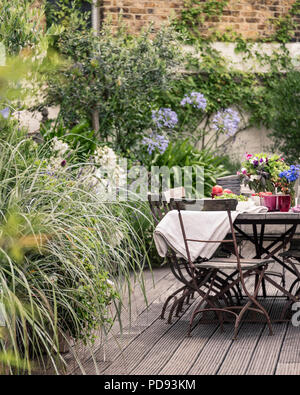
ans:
(106, 157)
(59, 147)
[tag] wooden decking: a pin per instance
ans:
(150, 346)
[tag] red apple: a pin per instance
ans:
(227, 191)
(217, 190)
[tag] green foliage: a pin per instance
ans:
(240, 198)
(68, 14)
(182, 153)
(22, 29)
(20, 25)
(195, 12)
(231, 165)
(80, 138)
(64, 254)
(223, 88)
(284, 115)
(192, 18)
(286, 25)
(117, 75)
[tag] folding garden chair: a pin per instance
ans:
(160, 205)
(233, 182)
(206, 272)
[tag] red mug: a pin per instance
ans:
(284, 203)
(270, 201)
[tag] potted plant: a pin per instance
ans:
(260, 172)
(285, 185)
(270, 174)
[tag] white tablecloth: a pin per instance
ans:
(199, 225)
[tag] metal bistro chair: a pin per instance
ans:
(233, 182)
(160, 204)
(240, 270)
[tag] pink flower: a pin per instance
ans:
(238, 173)
(243, 170)
(248, 156)
(282, 159)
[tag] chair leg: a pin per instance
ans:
(173, 295)
(239, 317)
(261, 308)
(172, 310)
(293, 285)
(253, 300)
(185, 296)
(212, 307)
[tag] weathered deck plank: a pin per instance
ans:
(241, 351)
(289, 359)
(148, 345)
(120, 341)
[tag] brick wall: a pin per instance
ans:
(248, 17)
(139, 13)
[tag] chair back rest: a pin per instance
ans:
(161, 203)
(226, 206)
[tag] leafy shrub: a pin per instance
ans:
(284, 116)
(117, 75)
(182, 153)
(68, 13)
(22, 29)
(20, 25)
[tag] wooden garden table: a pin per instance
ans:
(258, 223)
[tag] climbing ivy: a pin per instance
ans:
(195, 13)
(211, 74)
(286, 25)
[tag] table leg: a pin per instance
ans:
(258, 249)
(284, 239)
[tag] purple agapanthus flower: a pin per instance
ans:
(226, 121)
(156, 141)
(165, 117)
(195, 99)
(5, 112)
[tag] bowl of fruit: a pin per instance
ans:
(219, 194)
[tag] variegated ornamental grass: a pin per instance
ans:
(61, 264)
